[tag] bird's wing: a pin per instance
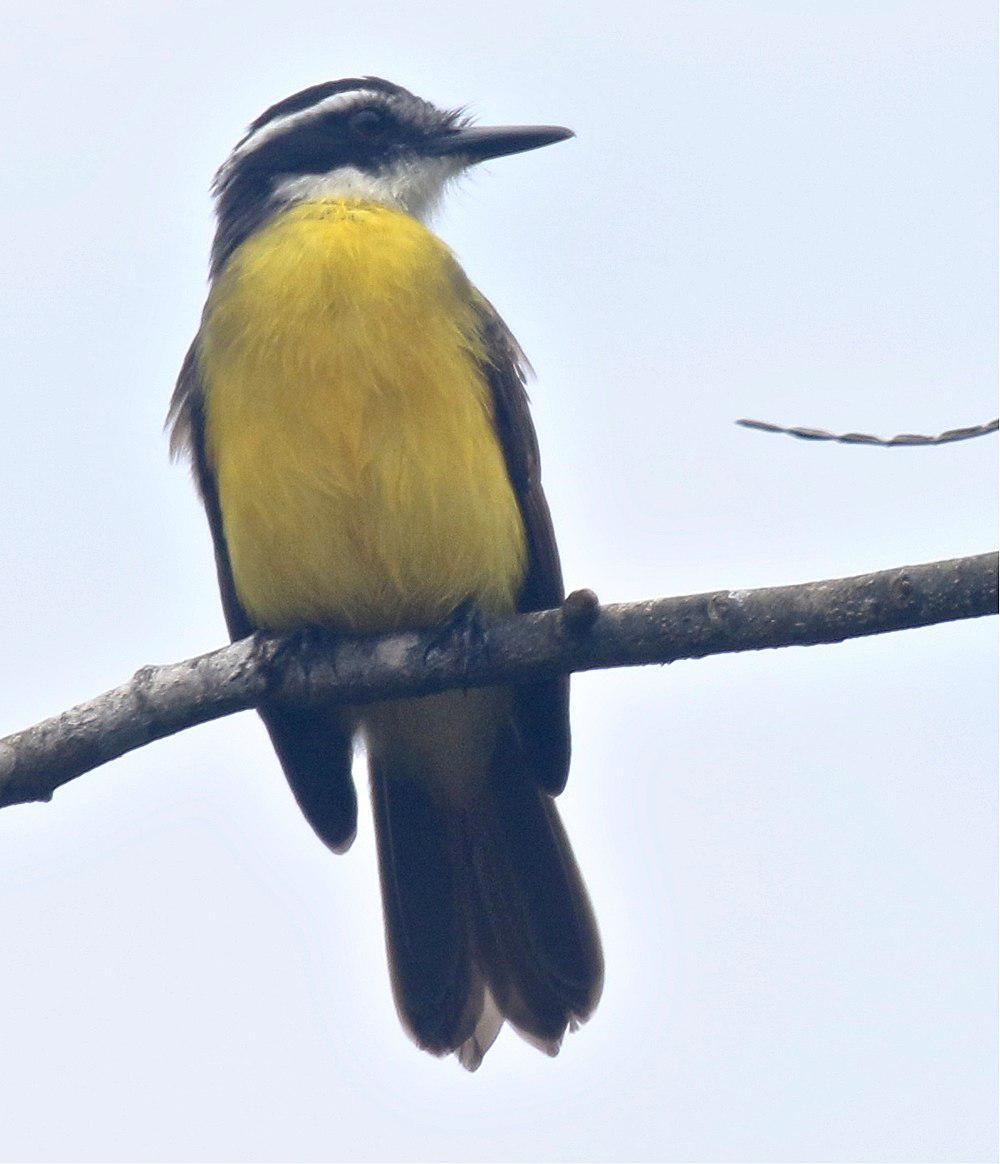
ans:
(186, 421)
(541, 709)
(314, 747)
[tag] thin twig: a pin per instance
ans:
(864, 438)
(581, 636)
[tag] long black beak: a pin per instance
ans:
(481, 142)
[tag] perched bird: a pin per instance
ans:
(356, 417)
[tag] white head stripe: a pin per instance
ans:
(278, 125)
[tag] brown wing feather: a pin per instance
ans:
(541, 709)
(314, 747)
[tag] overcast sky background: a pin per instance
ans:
(777, 209)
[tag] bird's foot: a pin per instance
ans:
(302, 645)
(463, 631)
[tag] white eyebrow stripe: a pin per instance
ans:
(271, 129)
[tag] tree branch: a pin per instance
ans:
(866, 438)
(581, 636)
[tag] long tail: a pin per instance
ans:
(487, 918)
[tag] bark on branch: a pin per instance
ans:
(581, 636)
(901, 440)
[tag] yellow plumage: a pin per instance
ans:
(350, 428)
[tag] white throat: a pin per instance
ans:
(414, 186)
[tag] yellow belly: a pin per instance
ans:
(349, 427)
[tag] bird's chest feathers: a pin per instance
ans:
(350, 428)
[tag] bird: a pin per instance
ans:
(355, 414)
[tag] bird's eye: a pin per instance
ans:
(367, 123)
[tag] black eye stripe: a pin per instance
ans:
(353, 127)
(368, 122)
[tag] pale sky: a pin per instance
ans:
(785, 210)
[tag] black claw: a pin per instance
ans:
(464, 631)
(298, 645)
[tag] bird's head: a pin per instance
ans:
(361, 137)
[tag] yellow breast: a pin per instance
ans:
(350, 429)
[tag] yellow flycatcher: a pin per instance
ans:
(356, 416)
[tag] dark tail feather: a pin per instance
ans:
(439, 992)
(537, 939)
(487, 917)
